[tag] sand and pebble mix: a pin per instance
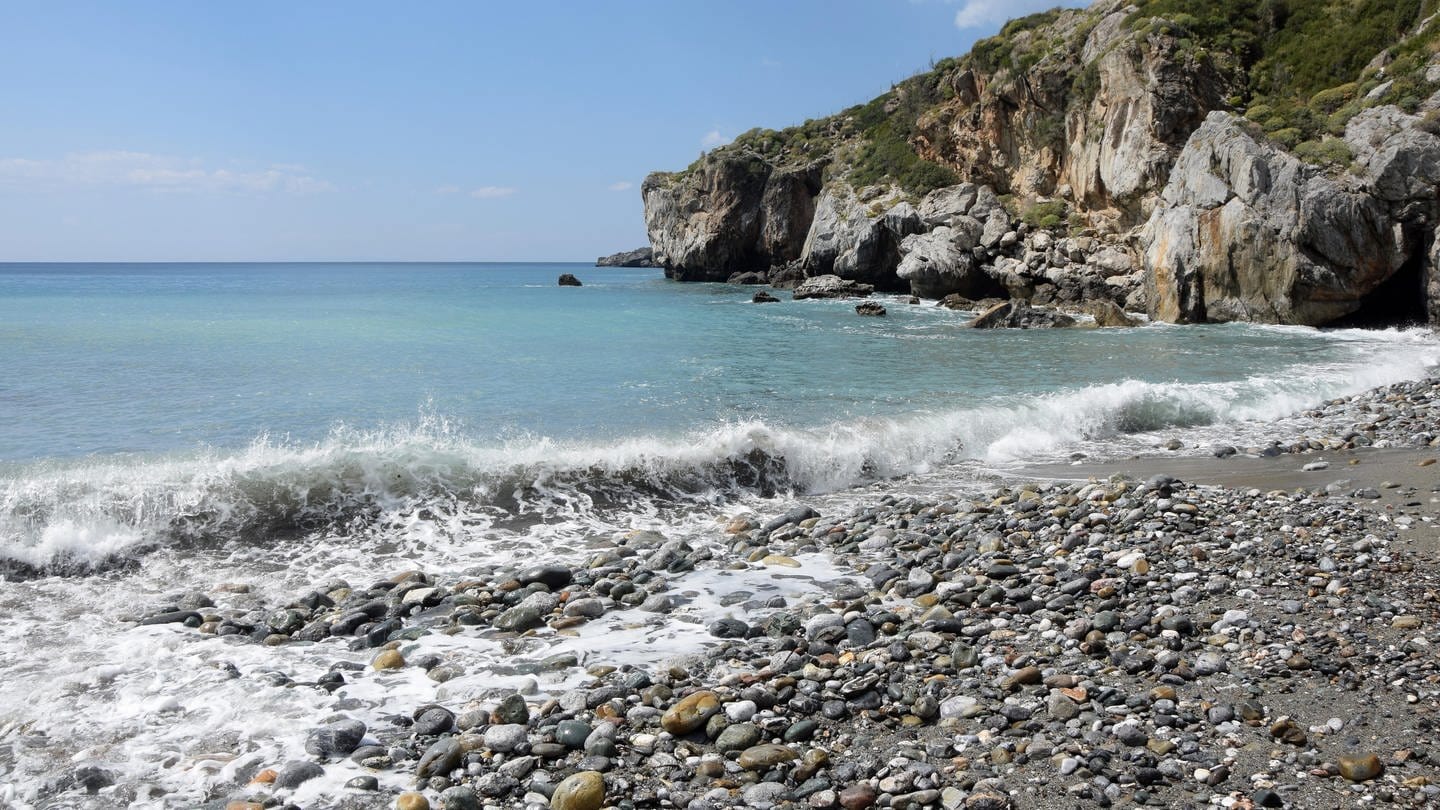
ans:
(1116, 641)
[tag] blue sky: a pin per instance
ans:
(174, 131)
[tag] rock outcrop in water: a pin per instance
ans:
(1152, 156)
(639, 257)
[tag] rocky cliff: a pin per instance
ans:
(1202, 161)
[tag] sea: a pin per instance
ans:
(255, 431)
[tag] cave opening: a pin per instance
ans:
(1398, 301)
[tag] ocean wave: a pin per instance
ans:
(74, 517)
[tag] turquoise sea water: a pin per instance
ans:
(263, 395)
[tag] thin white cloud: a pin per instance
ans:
(492, 192)
(987, 13)
(623, 185)
(154, 172)
(712, 139)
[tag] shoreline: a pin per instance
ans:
(1177, 632)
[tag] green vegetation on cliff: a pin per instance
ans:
(1299, 69)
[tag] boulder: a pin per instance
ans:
(941, 263)
(856, 235)
(1107, 314)
(748, 277)
(870, 308)
(639, 257)
(763, 297)
(1246, 232)
(1020, 315)
(831, 286)
(569, 280)
(730, 212)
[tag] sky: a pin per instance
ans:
(436, 131)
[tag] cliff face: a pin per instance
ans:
(730, 214)
(1246, 232)
(1101, 155)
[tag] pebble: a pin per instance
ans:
(295, 774)
(760, 757)
(335, 740)
(388, 659)
(412, 801)
(1361, 767)
(690, 713)
(581, 791)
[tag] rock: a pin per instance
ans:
(728, 628)
(335, 740)
(412, 801)
(942, 263)
(581, 791)
(1246, 232)
(440, 758)
(433, 722)
(295, 774)
(553, 577)
(569, 280)
(764, 757)
(459, 798)
(763, 297)
(511, 710)
(1361, 767)
(1025, 676)
(858, 796)
(690, 712)
(870, 308)
(730, 213)
(987, 800)
(859, 239)
(747, 278)
(1108, 315)
(791, 517)
(588, 608)
(831, 286)
(1267, 798)
(93, 778)
(388, 659)
(1019, 315)
(173, 617)
(639, 257)
(738, 737)
(506, 738)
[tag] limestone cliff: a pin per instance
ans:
(1203, 161)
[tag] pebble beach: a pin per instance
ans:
(1073, 635)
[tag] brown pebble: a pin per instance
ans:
(412, 801)
(1361, 768)
(389, 659)
(1025, 676)
(762, 757)
(265, 777)
(857, 797)
(690, 712)
(582, 791)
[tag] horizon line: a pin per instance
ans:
(298, 261)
